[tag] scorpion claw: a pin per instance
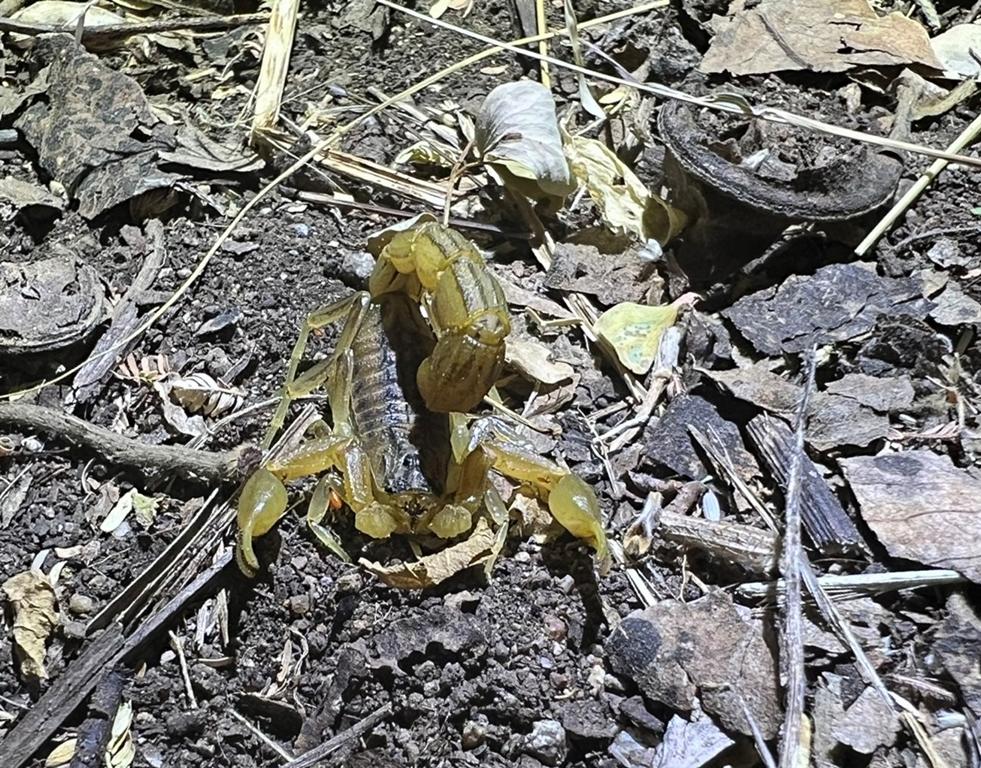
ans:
(573, 504)
(262, 503)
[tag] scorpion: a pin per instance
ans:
(417, 351)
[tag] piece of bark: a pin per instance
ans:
(124, 451)
(95, 730)
(827, 523)
(60, 700)
(921, 507)
(88, 381)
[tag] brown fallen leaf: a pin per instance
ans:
(710, 650)
(532, 360)
(32, 600)
(433, 569)
(921, 507)
(814, 35)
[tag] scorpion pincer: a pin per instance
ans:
(399, 384)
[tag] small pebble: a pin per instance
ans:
(80, 605)
(473, 734)
(350, 583)
(567, 583)
(301, 229)
(547, 742)
(357, 266)
(299, 604)
(74, 630)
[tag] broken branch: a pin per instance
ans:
(125, 451)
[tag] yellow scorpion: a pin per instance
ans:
(398, 385)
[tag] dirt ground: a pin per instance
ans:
(516, 671)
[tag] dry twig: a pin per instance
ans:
(116, 449)
(792, 638)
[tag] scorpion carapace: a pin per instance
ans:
(445, 273)
(405, 465)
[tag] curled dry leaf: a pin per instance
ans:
(433, 569)
(120, 751)
(61, 755)
(517, 135)
(625, 203)
(200, 393)
(32, 600)
(634, 331)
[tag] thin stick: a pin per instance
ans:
(356, 731)
(109, 31)
(275, 65)
(792, 645)
(286, 756)
(968, 135)
(116, 449)
(728, 103)
(542, 25)
(178, 647)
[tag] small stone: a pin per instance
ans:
(350, 583)
(299, 604)
(588, 719)
(522, 557)
(301, 229)
(186, 723)
(547, 742)
(357, 266)
(555, 627)
(473, 734)
(74, 630)
(80, 605)
(636, 711)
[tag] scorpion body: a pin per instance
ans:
(419, 349)
(406, 443)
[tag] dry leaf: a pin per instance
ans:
(199, 392)
(61, 755)
(119, 512)
(530, 358)
(433, 569)
(957, 49)
(176, 416)
(33, 602)
(120, 751)
(634, 331)
(442, 6)
(625, 203)
(517, 135)
(813, 35)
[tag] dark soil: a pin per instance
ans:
(470, 669)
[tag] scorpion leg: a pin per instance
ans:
(445, 272)
(571, 501)
(351, 309)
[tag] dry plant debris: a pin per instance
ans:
(668, 244)
(814, 35)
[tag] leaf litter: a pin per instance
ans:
(589, 230)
